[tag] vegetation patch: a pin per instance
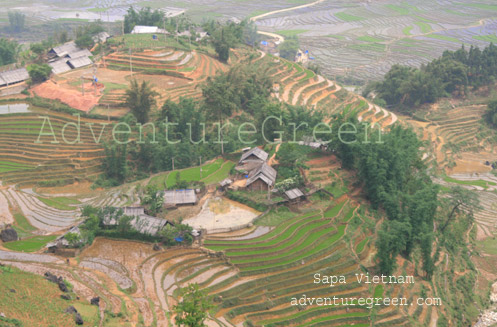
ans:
(60, 203)
(31, 244)
(290, 33)
(36, 301)
(348, 17)
(479, 182)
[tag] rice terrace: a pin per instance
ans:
(248, 163)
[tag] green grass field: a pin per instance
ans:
(479, 182)
(425, 27)
(486, 38)
(399, 9)
(481, 6)
(31, 244)
(211, 173)
(368, 38)
(444, 38)
(407, 30)
(36, 301)
(60, 203)
(22, 226)
(347, 17)
(6, 166)
(290, 33)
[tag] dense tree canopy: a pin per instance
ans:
(16, 21)
(8, 51)
(193, 308)
(140, 98)
(39, 72)
(395, 181)
(405, 88)
(288, 49)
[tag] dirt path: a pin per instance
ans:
(277, 36)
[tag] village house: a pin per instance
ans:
(14, 76)
(68, 56)
(141, 222)
(261, 178)
(294, 195)
(179, 197)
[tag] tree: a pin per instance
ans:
(221, 99)
(392, 239)
(193, 308)
(491, 114)
(153, 199)
(224, 37)
(85, 41)
(39, 73)
(16, 21)
(124, 224)
(8, 51)
(73, 239)
(115, 163)
(288, 49)
(140, 98)
(460, 199)
(145, 16)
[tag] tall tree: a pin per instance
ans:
(460, 200)
(140, 98)
(16, 21)
(193, 308)
(288, 49)
(8, 51)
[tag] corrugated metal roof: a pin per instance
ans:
(142, 222)
(60, 66)
(101, 37)
(80, 53)
(265, 172)
(260, 154)
(80, 62)
(146, 224)
(65, 49)
(226, 182)
(141, 29)
(133, 211)
(14, 76)
(180, 197)
(294, 193)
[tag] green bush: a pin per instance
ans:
(39, 73)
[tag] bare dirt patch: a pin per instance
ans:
(69, 96)
(219, 214)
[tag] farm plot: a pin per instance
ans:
(29, 158)
(39, 214)
(279, 264)
(362, 42)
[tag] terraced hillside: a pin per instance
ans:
(297, 85)
(361, 41)
(252, 277)
(175, 73)
(31, 159)
(484, 185)
(459, 139)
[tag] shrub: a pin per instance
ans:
(39, 73)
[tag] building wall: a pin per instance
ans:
(258, 185)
